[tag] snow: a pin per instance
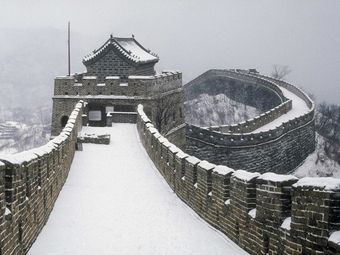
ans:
(95, 96)
(335, 237)
(318, 163)
(89, 77)
(181, 155)
(141, 77)
(116, 202)
(277, 177)
(245, 176)
(299, 108)
(135, 50)
(223, 169)
(7, 211)
(206, 165)
(215, 110)
(193, 160)
(252, 213)
(112, 77)
(325, 183)
(286, 223)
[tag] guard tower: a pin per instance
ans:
(120, 75)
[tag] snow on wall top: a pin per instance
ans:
(205, 164)
(277, 177)
(335, 237)
(193, 160)
(245, 176)
(127, 47)
(286, 223)
(324, 183)
(223, 169)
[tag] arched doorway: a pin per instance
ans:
(63, 121)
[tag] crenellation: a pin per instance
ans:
(263, 214)
(30, 184)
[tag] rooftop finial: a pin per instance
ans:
(133, 36)
(111, 36)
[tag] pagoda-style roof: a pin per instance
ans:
(127, 48)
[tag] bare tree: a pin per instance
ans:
(165, 111)
(280, 72)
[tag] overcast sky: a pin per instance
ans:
(196, 35)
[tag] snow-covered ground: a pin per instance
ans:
(207, 110)
(317, 163)
(299, 107)
(116, 202)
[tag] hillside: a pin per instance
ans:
(212, 110)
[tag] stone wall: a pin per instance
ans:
(280, 149)
(118, 86)
(117, 92)
(29, 186)
(263, 214)
(112, 63)
(240, 87)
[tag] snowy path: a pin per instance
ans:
(116, 202)
(299, 107)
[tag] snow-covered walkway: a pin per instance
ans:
(299, 108)
(116, 202)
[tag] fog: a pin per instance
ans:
(191, 36)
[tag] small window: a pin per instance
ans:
(66, 93)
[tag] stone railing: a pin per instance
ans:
(30, 182)
(260, 120)
(267, 117)
(238, 146)
(263, 214)
(144, 86)
(256, 122)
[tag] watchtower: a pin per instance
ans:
(120, 75)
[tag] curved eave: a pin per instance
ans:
(112, 44)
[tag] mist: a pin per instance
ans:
(190, 36)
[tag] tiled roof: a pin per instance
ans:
(127, 47)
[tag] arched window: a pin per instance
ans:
(63, 121)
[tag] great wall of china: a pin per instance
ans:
(263, 212)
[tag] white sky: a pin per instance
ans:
(195, 35)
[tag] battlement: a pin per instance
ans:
(30, 182)
(285, 129)
(114, 85)
(268, 213)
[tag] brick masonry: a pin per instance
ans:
(279, 150)
(248, 207)
(30, 183)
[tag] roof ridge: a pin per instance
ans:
(114, 41)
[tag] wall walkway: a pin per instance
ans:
(115, 202)
(263, 214)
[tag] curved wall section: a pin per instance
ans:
(279, 149)
(29, 186)
(263, 214)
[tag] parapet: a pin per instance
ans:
(134, 86)
(30, 182)
(262, 213)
